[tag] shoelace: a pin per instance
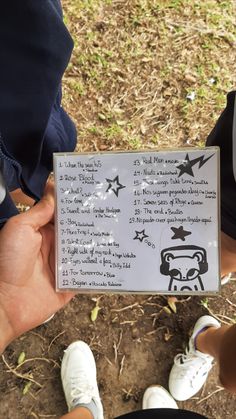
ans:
(191, 364)
(80, 388)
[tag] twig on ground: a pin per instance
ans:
(116, 346)
(38, 335)
(218, 316)
(223, 316)
(108, 360)
(146, 300)
(92, 342)
(118, 310)
(95, 145)
(115, 351)
(32, 395)
(156, 330)
(230, 302)
(114, 319)
(211, 394)
(122, 365)
(38, 359)
(156, 315)
(119, 341)
(56, 337)
(153, 304)
(128, 393)
(17, 374)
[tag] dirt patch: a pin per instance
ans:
(134, 341)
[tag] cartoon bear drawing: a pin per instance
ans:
(184, 265)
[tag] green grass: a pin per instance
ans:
(146, 56)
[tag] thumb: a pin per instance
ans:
(42, 213)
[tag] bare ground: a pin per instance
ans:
(134, 340)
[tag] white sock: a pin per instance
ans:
(92, 407)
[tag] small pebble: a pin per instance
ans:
(191, 96)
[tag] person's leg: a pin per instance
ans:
(78, 413)
(209, 341)
(78, 374)
(228, 254)
(221, 344)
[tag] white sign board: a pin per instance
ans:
(138, 221)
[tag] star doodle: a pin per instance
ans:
(114, 185)
(180, 233)
(186, 166)
(140, 235)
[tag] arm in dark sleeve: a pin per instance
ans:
(35, 48)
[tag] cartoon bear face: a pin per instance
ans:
(183, 263)
(183, 268)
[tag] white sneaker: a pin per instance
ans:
(49, 319)
(226, 278)
(156, 397)
(78, 374)
(190, 370)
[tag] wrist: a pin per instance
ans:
(6, 331)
